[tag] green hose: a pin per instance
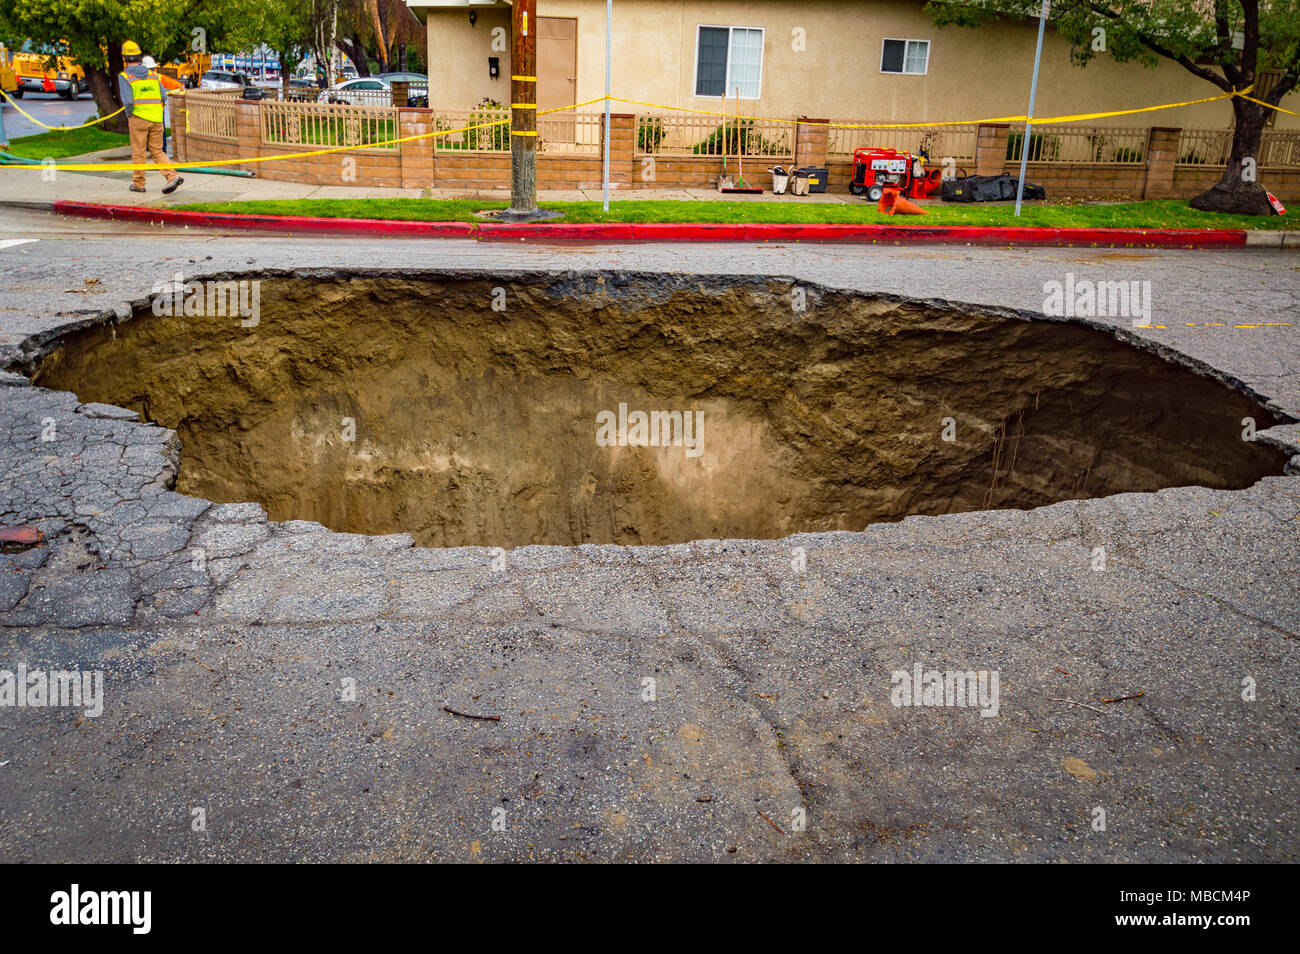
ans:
(210, 171)
(8, 159)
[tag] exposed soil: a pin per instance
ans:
(479, 427)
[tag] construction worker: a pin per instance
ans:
(141, 93)
(168, 84)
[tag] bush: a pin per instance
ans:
(725, 138)
(649, 133)
(495, 138)
(1127, 154)
(1042, 147)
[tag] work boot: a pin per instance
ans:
(136, 188)
(172, 186)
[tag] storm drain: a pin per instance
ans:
(641, 409)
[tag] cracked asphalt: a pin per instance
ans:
(288, 686)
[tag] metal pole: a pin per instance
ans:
(609, 34)
(523, 109)
(1033, 92)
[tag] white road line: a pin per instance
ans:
(10, 243)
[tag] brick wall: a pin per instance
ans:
(418, 164)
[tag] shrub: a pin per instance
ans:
(1042, 147)
(649, 133)
(725, 138)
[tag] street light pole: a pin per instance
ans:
(609, 35)
(1033, 92)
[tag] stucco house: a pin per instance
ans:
(838, 59)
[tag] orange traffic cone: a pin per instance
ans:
(891, 202)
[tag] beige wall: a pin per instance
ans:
(458, 56)
(973, 74)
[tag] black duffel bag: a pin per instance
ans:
(987, 189)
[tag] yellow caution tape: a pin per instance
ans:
(131, 167)
(90, 122)
(1269, 105)
(14, 103)
(525, 79)
(1044, 121)
(523, 105)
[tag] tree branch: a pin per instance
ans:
(1150, 43)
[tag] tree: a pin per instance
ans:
(285, 26)
(1228, 43)
(385, 26)
(94, 31)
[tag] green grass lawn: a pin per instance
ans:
(59, 145)
(1153, 214)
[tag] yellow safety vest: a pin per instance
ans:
(146, 91)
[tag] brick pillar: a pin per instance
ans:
(248, 123)
(810, 141)
(400, 93)
(622, 150)
(1161, 154)
(991, 148)
(417, 155)
(180, 117)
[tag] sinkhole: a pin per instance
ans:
(644, 409)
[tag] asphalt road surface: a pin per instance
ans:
(771, 735)
(49, 108)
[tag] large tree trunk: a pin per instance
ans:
(1231, 193)
(381, 37)
(356, 52)
(103, 86)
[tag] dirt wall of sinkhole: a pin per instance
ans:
(475, 426)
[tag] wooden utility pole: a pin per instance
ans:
(523, 109)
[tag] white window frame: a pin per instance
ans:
(904, 41)
(762, 52)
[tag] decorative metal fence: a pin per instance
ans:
(570, 133)
(1280, 148)
(1204, 147)
(1213, 147)
(938, 142)
(685, 134)
(1118, 145)
(211, 113)
(486, 129)
(320, 124)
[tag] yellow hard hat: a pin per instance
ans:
(130, 48)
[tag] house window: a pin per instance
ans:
(905, 56)
(729, 59)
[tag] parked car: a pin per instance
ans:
(221, 79)
(370, 91)
(417, 93)
(414, 79)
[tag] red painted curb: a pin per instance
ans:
(672, 232)
(858, 234)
